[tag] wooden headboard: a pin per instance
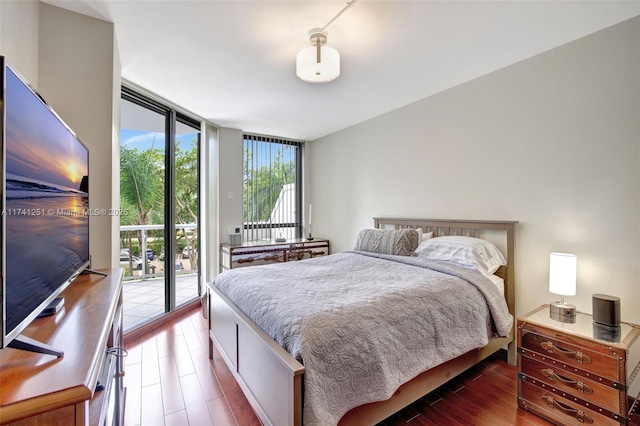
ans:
(470, 228)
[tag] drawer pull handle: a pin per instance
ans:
(552, 375)
(577, 355)
(273, 258)
(580, 415)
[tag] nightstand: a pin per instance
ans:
(577, 373)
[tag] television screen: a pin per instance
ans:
(45, 212)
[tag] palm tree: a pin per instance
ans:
(141, 184)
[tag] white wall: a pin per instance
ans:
(552, 141)
(210, 182)
(114, 178)
(76, 77)
(19, 36)
(230, 181)
(71, 59)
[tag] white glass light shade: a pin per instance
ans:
(562, 274)
(311, 71)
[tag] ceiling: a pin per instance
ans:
(233, 62)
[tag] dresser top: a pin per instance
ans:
(33, 382)
(583, 327)
(270, 242)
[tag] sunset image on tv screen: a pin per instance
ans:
(46, 191)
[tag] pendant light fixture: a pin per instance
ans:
(320, 63)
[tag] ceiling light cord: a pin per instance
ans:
(349, 4)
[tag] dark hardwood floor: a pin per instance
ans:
(171, 381)
(483, 395)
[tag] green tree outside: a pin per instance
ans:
(186, 195)
(142, 194)
(262, 186)
(141, 190)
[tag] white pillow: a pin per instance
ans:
(467, 251)
(422, 236)
(499, 282)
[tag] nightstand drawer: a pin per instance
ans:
(595, 392)
(571, 369)
(569, 351)
(557, 409)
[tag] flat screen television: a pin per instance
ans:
(45, 201)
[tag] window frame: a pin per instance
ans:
(297, 224)
(172, 116)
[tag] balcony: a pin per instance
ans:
(144, 280)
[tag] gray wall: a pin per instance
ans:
(552, 141)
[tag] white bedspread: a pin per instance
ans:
(363, 324)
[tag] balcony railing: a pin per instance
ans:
(141, 264)
(144, 288)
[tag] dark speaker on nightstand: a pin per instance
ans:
(606, 310)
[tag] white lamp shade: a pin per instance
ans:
(562, 274)
(311, 71)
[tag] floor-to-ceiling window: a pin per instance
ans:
(159, 198)
(272, 193)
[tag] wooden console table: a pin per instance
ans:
(264, 252)
(37, 389)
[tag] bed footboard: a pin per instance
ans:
(269, 376)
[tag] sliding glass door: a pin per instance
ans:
(159, 197)
(186, 141)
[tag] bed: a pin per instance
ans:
(273, 378)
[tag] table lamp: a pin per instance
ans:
(562, 281)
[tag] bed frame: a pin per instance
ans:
(272, 380)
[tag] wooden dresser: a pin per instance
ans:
(37, 389)
(265, 252)
(577, 373)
